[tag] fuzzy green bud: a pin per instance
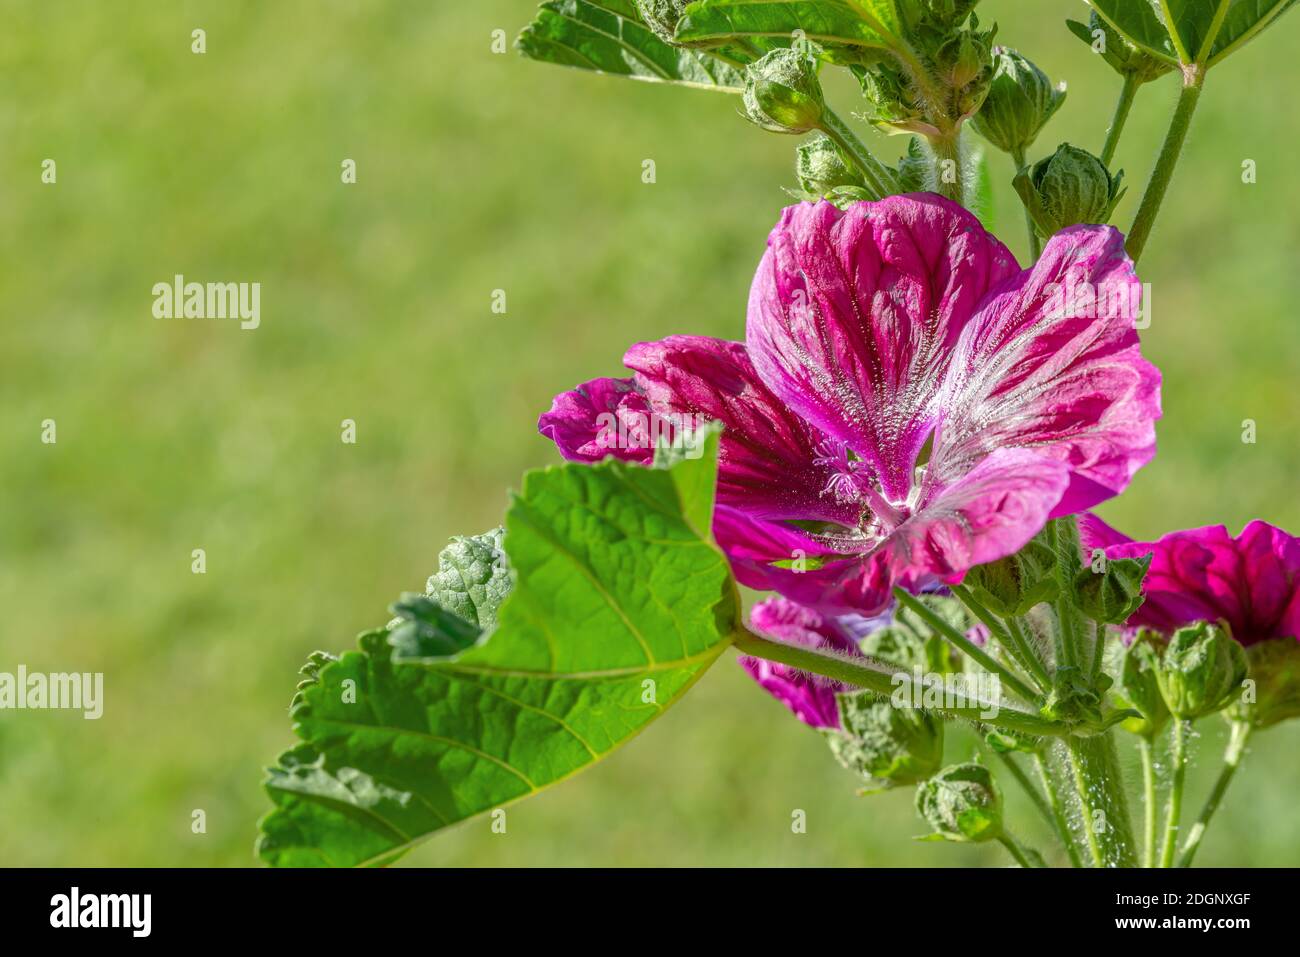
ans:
(1110, 590)
(661, 16)
(1272, 693)
(1138, 686)
(1020, 101)
(1201, 671)
(885, 744)
(1068, 188)
(962, 804)
(1015, 584)
(782, 92)
(820, 167)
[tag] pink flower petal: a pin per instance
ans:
(853, 315)
(600, 418)
(1040, 368)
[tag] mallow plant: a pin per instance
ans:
(895, 459)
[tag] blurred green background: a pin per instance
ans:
(477, 172)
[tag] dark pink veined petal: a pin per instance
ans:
(1052, 363)
(768, 462)
(810, 697)
(853, 314)
(810, 572)
(600, 418)
(1204, 574)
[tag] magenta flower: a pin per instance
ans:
(907, 404)
(1251, 582)
(811, 697)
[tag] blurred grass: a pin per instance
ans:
(476, 172)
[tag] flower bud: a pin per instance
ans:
(820, 167)
(1068, 188)
(661, 16)
(1201, 671)
(895, 108)
(1020, 101)
(885, 744)
(961, 803)
(782, 92)
(1138, 686)
(1114, 593)
(1122, 56)
(1273, 692)
(1015, 584)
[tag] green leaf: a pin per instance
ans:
(861, 23)
(473, 578)
(608, 36)
(620, 603)
(1191, 31)
(1246, 19)
(1139, 22)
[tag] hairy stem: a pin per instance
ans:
(1102, 802)
(1178, 760)
(1166, 162)
(878, 176)
(991, 664)
(1058, 811)
(1127, 93)
(1035, 244)
(864, 673)
(948, 171)
(1231, 761)
(1013, 641)
(1016, 850)
(1146, 752)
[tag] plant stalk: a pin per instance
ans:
(1035, 244)
(1146, 752)
(878, 176)
(1178, 759)
(1236, 750)
(1167, 161)
(1127, 93)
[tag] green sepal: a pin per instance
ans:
(1114, 593)
(1139, 687)
(1272, 693)
(886, 745)
(962, 803)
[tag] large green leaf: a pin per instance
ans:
(608, 36)
(861, 23)
(620, 603)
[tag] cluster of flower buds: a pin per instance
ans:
(1068, 188)
(947, 80)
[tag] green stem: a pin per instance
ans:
(1193, 80)
(1023, 780)
(1035, 244)
(1014, 643)
(1067, 644)
(878, 176)
(1127, 93)
(991, 664)
(1098, 650)
(1102, 802)
(1178, 760)
(862, 673)
(1015, 850)
(1058, 812)
(1149, 802)
(1231, 761)
(947, 148)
